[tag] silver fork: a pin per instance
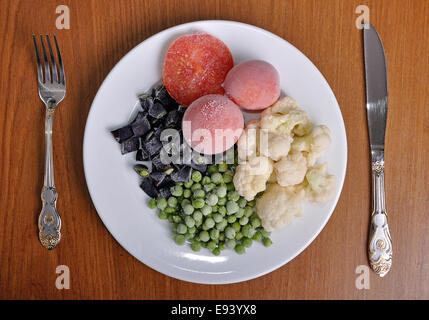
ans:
(52, 90)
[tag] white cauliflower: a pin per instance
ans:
(290, 170)
(278, 206)
(274, 146)
(286, 119)
(251, 176)
(314, 144)
(320, 186)
(254, 142)
(247, 144)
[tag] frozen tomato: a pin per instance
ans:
(195, 65)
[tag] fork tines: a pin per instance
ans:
(51, 73)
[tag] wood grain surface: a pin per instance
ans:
(101, 32)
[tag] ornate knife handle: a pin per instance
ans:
(380, 243)
(49, 219)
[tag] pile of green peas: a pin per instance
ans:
(207, 212)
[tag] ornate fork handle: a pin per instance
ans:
(49, 219)
(380, 243)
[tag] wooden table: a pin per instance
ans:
(100, 33)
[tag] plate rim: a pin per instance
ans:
(340, 184)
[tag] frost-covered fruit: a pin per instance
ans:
(212, 124)
(195, 65)
(253, 84)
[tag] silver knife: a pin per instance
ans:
(380, 243)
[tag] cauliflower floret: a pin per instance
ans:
(286, 119)
(290, 170)
(278, 206)
(254, 142)
(247, 144)
(274, 146)
(314, 144)
(320, 186)
(251, 176)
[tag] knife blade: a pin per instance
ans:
(380, 243)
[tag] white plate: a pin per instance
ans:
(114, 186)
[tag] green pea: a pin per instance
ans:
(217, 217)
(247, 242)
(187, 193)
(170, 219)
(211, 169)
(209, 223)
(209, 187)
(192, 229)
(161, 203)
(198, 215)
(170, 210)
(176, 218)
(215, 208)
(222, 237)
(214, 234)
(184, 203)
(206, 180)
(221, 246)
(257, 236)
(230, 243)
(236, 226)
(195, 246)
(188, 184)
(179, 239)
(248, 211)
(189, 235)
(252, 203)
(212, 199)
(227, 177)
(206, 210)
(172, 202)
(197, 176)
(177, 190)
(222, 167)
(198, 203)
(222, 201)
(216, 178)
(233, 195)
(231, 219)
(204, 244)
(222, 210)
(240, 213)
(162, 215)
(188, 209)
(231, 207)
(265, 233)
(230, 233)
(221, 225)
(221, 192)
(216, 251)
(152, 203)
(196, 186)
(230, 186)
(245, 220)
(267, 242)
(239, 249)
(199, 193)
(238, 236)
(245, 230)
(181, 228)
(204, 236)
(189, 221)
(198, 223)
(242, 202)
(211, 245)
(256, 222)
